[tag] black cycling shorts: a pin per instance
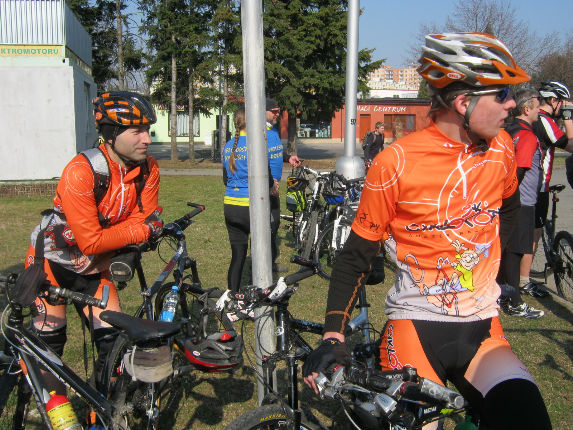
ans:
(541, 209)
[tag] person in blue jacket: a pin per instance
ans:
(276, 148)
(236, 201)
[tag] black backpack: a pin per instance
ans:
(100, 169)
(365, 140)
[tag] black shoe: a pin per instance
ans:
(279, 269)
(534, 290)
(522, 310)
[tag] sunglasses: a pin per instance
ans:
(501, 94)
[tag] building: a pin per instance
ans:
(389, 81)
(46, 87)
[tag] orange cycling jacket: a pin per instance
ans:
(74, 237)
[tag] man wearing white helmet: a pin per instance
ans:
(441, 199)
(554, 104)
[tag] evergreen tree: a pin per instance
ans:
(305, 58)
(99, 18)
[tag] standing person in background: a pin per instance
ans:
(276, 167)
(513, 269)
(447, 198)
(554, 96)
(236, 202)
(374, 143)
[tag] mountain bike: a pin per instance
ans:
(199, 339)
(207, 341)
(555, 253)
(291, 346)
(306, 224)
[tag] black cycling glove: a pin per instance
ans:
(155, 224)
(331, 351)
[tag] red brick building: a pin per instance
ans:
(400, 117)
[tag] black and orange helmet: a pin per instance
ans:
(475, 59)
(124, 109)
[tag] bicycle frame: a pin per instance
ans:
(288, 331)
(33, 354)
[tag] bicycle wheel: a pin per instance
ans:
(563, 246)
(543, 253)
(327, 249)
(267, 417)
(136, 403)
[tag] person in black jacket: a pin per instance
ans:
(374, 143)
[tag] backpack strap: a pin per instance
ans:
(140, 183)
(100, 169)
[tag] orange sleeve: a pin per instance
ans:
(379, 195)
(75, 192)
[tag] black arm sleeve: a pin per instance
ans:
(521, 173)
(225, 177)
(349, 274)
(286, 156)
(507, 217)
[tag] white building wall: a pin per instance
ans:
(38, 136)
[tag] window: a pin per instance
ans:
(315, 129)
(183, 125)
(400, 124)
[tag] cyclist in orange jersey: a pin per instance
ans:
(94, 214)
(445, 196)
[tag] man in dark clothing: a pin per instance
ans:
(374, 143)
(512, 270)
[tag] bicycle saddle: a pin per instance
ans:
(140, 330)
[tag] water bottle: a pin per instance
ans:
(170, 304)
(61, 413)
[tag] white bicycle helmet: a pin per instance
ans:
(554, 89)
(475, 59)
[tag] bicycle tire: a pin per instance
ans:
(131, 399)
(311, 235)
(8, 382)
(324, 252)
(563, 274)
(267, 417)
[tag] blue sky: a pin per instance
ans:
(390, 26)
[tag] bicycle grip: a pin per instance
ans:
(298, 276)
(430, 391)
(80, 298)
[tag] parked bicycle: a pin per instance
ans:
(309, 210)
(555, 252)
(343, 197)
(131, 388)
(291, 346)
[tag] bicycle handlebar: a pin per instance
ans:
(58, 292)
(81, 298)
(400, 384)
(252, 296)
(173, 229)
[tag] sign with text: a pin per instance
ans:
(31, 51)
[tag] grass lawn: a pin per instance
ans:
(206, 401)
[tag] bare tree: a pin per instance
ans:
(557, 65)
(497, 17)
(119, 32)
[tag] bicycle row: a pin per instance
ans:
(148, 355)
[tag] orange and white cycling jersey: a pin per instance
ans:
(74, 238)
(442, 215)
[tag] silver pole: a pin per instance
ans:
(350, 165)
(259, 203)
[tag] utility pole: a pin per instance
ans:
(350, 165)
(259, 199)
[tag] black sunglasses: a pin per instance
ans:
(501, 94)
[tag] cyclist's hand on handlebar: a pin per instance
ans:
(330, 352)
(155, 224)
